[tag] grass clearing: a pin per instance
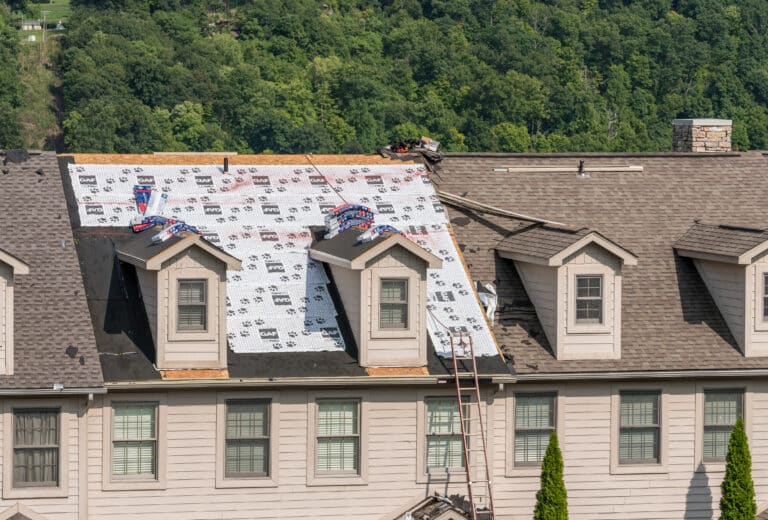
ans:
(39, 112)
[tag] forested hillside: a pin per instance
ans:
(10, 84)
(352, 75)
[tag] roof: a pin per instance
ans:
(53, 338)
(262, 211)
(345, 250)
(723, 242)
(17, 265)
(142, 251)
(550, 245)
(669, 320)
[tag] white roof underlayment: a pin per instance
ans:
(261, 215)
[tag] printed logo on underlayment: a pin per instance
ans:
(204, 180)
(94, 209)
(269, 335)
(275, 267)
(260, 180)
(438, 208)
(330, 332)
(317, 180)
(374, 180)
(445, 296)
(325, 208)
(87, 180)
(211, 236)
(212, 209)
(268, 236)
(270, 209)
(281, 299)
(417, 230)
(145, 179)
(385, 209)
(458, 329)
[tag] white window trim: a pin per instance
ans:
(271, 480)
(608, 279)
(718, 467)
(458, 476)
(662, 466)
(761, 324)
(413, 280)
(212, 304)
(66, 415)
(511, 470)
(134, 484)
(330, 478)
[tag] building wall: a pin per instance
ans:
(6, 305)
(587, 426)
(726, 285)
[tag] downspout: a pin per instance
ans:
(82, 459)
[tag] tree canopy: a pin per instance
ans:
(10, 84)
(352, 75)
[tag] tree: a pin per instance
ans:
(552, 499)
(738, 498)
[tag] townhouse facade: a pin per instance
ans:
(271, 368)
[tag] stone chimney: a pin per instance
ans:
(701, 135)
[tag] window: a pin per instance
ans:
(534, 421)
(338, 436)
(192, 312)
(445, 449)
(765, 296)
(721, 409)
(247, 439)
(639, 428)
(589, 299)
(134, 441)
(35, 447)
(393, 304)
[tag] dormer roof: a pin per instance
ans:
(550, 245)
(17, 265)
(728, 243)
(346, 251)
(142, 252)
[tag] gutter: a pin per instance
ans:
(354, 381)
(658, 374)
(27, 392)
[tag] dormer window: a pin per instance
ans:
(393, 304)
(589, 299)
(192, 312)
(765, 296)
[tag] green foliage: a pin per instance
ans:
(10, 84)
(738, 491)
(302, 75)
(552, 499)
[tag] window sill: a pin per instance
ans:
(338, 479)
(35, 492)
(639, 469)
(254, 482)
(710, 467)
(393, 333)
(457, 475)
(524, 471)
(133, 485)
(575, 328)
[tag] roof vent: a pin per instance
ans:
(226, 164)
(582, 174)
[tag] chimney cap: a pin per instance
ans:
(702, 122)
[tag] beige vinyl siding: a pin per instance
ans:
(6, 314)
(541, 286)
(726, 285)
(148, 286)
(347, 282)
(191, 350)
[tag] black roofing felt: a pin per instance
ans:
(344, 245)
(140, 245)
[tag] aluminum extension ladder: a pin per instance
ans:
(479, 485)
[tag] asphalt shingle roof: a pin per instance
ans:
(725, 240)
(541, 241)
(53, 338)
(669, 320)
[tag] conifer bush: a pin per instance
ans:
(738, 491)
(552, 499)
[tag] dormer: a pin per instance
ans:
(183, 284)
(732, 261)
(383, 288)
(10, 267)
(573, 278)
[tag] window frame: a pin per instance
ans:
(637, 468)
(405, 302)
(577, 299)
(699, 465)
(270, 480)
(467, 415)
(65, 409)
(414, 288)
(213, 304)
(511, 469)
(655, 426)
(610, 290)
(515, 429)
(742, 404)
(204, 305)
(333, 478)
(757, 274)
(111, 482)
(355, 436)
(134, 478)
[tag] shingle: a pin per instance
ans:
(725, 240)
(53, 338)
(540, 241)
(669, 320)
